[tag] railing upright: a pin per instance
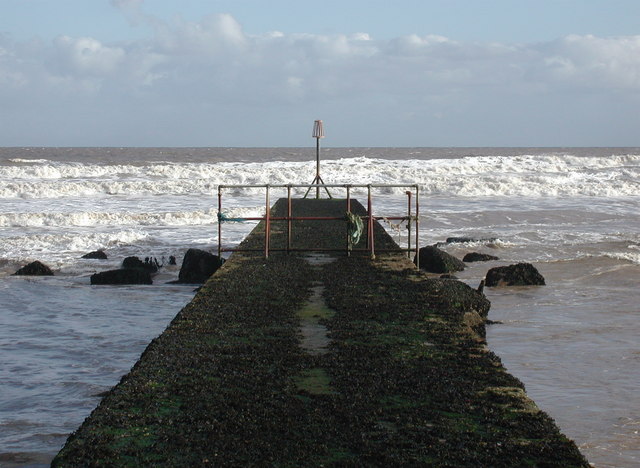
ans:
(370, 236)
(267, 224)
(348, 211)
(219, 221)
(408, 192)
(289, 218)
(417, 262)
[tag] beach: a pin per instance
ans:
(571, 212)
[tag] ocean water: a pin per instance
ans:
(572, 212)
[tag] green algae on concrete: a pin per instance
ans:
(405, 381)
(315, 381)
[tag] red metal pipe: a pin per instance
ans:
(289, 213)
(417, 227)
(323, 218)
(371, 236)
(368, 216)
(312, 250)
(348, 211)
(289, 218)
(219, 222)
(267, 226)
(408, 192)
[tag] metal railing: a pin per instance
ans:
(413, 212)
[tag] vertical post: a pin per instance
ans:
(289, 212)
(318, 132)
(417, 227)
(368, 217)
(317, 167)
(408, 223)
(370, 234)
(348, 211)
(267, 224)
(219, 220)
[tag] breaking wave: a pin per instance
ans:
(98, 218)
(19, 247)
(88, 218)
(481, 176)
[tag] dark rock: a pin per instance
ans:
(459, 240)
(478, 257)
(464, 240)
(122, 276)
(434, 260)
(134, 262)
(198, 266)
(448, 276)
(521, 274)
(34, 269)
(152, 264)
(461, 297)
(98, 255)
(172, 260)
(460, 300)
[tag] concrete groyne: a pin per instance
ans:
(396, 372)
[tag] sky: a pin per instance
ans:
(378, 73)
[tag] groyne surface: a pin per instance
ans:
(243, 376)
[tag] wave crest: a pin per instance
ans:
(481, 176)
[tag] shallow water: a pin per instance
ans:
(575, 346)
(63, 343)
(573, 342)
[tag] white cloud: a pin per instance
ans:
(87, 55)
(214, 64)
(127, 6)
(214, 35)
(593, 61)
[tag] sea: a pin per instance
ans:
(571, 212)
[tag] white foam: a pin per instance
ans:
(531, 200)
(29, 246)
(486, 176)
(87, 218)
(28, 161)
(633, 257)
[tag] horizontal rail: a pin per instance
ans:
(370, 218)
(317, 218)
(322, 185)
(318, 249)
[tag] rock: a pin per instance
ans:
(521, 274)
(133, 271)
(134, 262)
(122, 276)
(462, 301)
(464, 240)
(198, 266)
(34, 269)
(478, 257)
(98, 255)
(448, 276)
(459, 240)
(434, 260)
